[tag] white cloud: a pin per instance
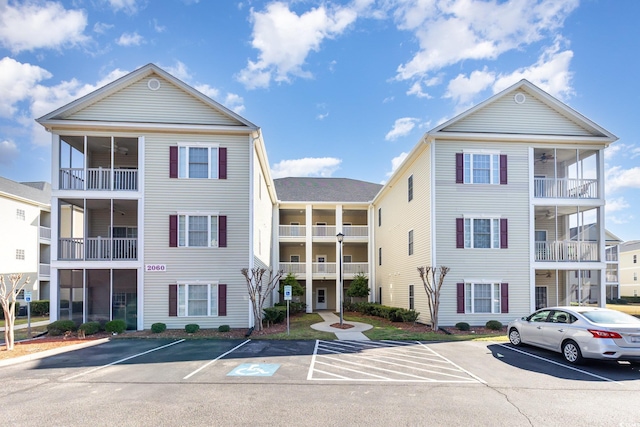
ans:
(474, 29)
(396, 162)
(8, 152)
(401, 127)
(179, 70)
(157, 27)
(617, 178)
(130, 39)
(416, 89)
(211, 92)
(462, 89)
(101, 27)
(17, 81)
(309, 166)
(285, 39)
(234, 102)
(616, 204)
(129, 7)
(30, 25)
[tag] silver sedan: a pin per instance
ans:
(580, 333)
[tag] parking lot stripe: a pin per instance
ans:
(122, 360)
(217, 358)
(344, 368)
(457, 366)
(313, 361)
(560, 364)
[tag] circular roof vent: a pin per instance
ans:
(519, 98)
(154, 84)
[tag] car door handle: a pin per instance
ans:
(560, 330)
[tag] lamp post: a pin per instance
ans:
(340, 237)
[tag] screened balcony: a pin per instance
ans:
(566, 173)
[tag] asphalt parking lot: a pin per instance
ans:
(468, 380)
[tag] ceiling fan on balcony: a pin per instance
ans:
(117, 148)
(545, 157)
(547, 274)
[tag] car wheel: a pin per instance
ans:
(571, 352)
(514, 337)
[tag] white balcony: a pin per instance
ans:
(45, 233)
(566, 188)
(566, 251)
(99, 249)
(99, 179)
(293, 267)
(355, 231)
(44, 271)
(292, 231)
(328, 231)
(325, 269)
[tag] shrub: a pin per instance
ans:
(273, 315)
(156, 328)
(90, 328)
(17, 310)
(294, 307)
(494, 325)
(191, 328)
(224, 328)
(359, 287)
(290, 280)
(463, 326)
(40, 308)
(116, 326)
(410, 316)
(59, 327)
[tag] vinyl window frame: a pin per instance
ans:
(185, 162)
(184, 299)
(471, 300)
(185, 233)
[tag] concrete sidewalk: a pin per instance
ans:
(351, 334)
(25, 326)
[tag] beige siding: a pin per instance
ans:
(137, 103)
(509, 201)
(398, 269)
(629, 286)
(506, 116)
(163, 197)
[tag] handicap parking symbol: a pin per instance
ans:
(254, 370)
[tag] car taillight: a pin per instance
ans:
(604, 334)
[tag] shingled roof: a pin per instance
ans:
(325, 190)
(39, 192)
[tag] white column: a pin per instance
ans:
(338, 260)
(309, 257)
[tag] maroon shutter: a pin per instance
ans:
(222, 300)
(503, 169)
(173, 231)
(222, 231)
(504, 234)
(460, 297)
(173, 162)
(504, 297)
(173, 300)
(459, 232)
(222, 163)
(459, 168)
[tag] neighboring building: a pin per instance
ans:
(160, 196)
(493, 194)
(311, 213)
(630, 269)
(25, 227)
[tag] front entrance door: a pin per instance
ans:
(321, 299)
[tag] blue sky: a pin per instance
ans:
(343, 88)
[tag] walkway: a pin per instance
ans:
(25, 326)
(351, 334)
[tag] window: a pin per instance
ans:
(483, 297)
(379, 217)
(201, 161)
(379, 256)
(635, 259)
(294, 258)
(410, 187)
(635, 276)
(481, 233)
(197, 300)
(481, 168)
(411, 242)
(411, 298)
(20, 214)
(19, 253)
(198, 231)
(20, 294)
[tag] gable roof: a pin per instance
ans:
(535, 114)
(35, 192)
(325, 190)
(65, 112)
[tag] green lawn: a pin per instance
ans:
(300, 329)
(633, 309)
(23, 320)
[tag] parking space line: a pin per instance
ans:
(560, 364)
(353, 370)
(217, 358)
(454, 364)
(122, 360)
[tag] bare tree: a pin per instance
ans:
(260, 287)
(432, 287)
(8, 297)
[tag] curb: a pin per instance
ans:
(52, 352)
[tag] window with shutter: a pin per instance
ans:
(481, 168)
(199, 161)
(484, 233)
(187, 230)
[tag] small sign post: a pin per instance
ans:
(27, 298)
(287, 298)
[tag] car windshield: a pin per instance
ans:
(609, 317)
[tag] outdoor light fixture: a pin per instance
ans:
(340, 237)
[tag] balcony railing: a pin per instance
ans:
(355, 230)
(99, 248)
(353, 268)
(292, 230)
(45, 270)
(326, 268)
(293, 267)
(324, 231)
(566, 188)
(99, 179)
(566, 250)
(45, 233)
